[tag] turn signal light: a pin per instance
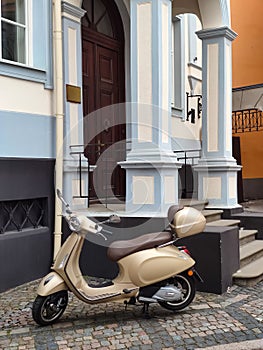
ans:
(190, 273)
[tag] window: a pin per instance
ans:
(178, 73)
(97, 17)
(14, 31)
(26, 40)
(186, 62)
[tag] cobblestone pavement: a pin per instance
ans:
(212, 321)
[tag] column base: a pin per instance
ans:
(217, 183)
(151, 188)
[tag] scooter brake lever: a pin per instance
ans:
(100, 234)
(109, 232)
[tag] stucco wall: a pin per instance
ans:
(251, 154)
(247, 71)
(248, 46)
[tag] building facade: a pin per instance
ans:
(79, 75)
(247, 95)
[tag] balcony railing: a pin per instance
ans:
(247, 120)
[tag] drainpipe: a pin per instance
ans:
(59, 105)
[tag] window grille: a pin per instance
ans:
(22, 214)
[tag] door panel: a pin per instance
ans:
(88, 77)
(103, 85)
(107, 77)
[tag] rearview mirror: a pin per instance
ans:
(59, 194)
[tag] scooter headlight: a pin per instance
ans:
(74, 223)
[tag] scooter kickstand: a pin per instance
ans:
(132, 301)
(145, 310)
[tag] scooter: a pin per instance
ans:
(151, 268)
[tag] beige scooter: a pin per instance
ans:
(151, 268)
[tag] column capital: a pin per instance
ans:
(72, 10)
(217, 33)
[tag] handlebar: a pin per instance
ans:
(83, 225)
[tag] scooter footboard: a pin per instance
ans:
(50, 284)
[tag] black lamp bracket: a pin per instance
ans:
(191, 113)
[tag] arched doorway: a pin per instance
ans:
(103, 85)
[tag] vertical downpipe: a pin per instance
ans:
(57, 37)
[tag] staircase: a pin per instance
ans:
(251, 250)
(251, 259)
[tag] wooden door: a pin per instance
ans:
(103, 85)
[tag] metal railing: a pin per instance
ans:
(247, 121)
(22, 214)
(93, 152)
(80, 154)
(188, 158)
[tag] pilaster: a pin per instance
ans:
(151, 166)
(73, 121)
(217, 169)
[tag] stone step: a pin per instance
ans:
(194, 203)
(250, 274)
(224, 223)
(251, 252)
(212, 215)
(246, 236)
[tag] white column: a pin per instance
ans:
(151, 166)
(217, 169)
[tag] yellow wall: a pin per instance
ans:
(251, 154)
(246, 17)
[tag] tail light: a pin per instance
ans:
(184, 249)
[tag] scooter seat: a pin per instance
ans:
(120, 249)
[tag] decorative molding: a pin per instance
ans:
(72, 10)
(216, 33)
(169, 189)
(212, 84)
(143, 190)
(212, 187)
(22, 72)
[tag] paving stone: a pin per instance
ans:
(209, 321)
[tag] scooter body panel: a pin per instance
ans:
(67, 267)
(136, 270)
(153, 265)
(51, 283)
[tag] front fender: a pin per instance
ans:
(50, 284)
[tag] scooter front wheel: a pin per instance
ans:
(48, 309)
(186, 284)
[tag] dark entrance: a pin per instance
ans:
(103, 85)
(237, 156)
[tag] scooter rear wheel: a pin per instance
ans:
(187, 286)
(48, 309)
